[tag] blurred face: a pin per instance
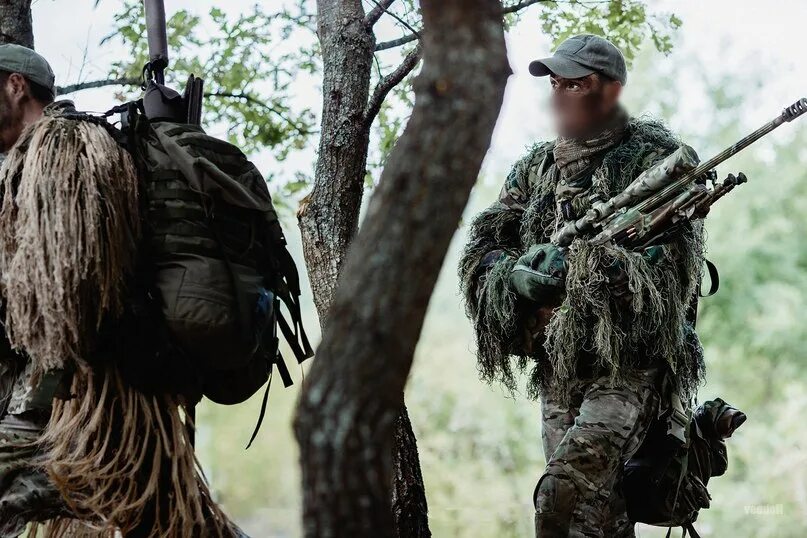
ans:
(581, 106)
(13, 98)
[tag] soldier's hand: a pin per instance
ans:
(618, 284)
(540, 274)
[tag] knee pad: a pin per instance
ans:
(555, 493)
(554, 498)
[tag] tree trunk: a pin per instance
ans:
(348, 408)
(16, 25)
(409, 509)
(329, 216)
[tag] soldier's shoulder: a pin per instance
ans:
(648, 140)
(538, 151)
(60, 108)
(524, 170)
(649, 133)
(534, 157)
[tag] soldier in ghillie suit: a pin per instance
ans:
(600, 329)
(80, 447)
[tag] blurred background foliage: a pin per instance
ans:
(479, 446)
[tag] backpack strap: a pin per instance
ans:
(677, 426)
(261, 415)
(678, 420)
(714, 279)
(289, 292)
(688, 527)
(283, 372)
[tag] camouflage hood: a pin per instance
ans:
(589, 334)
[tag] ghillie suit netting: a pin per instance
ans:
(69, 228)
(590, 333)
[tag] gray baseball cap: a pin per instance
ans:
(26, 62)
(582, 55)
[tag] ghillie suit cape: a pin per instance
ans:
(69, 225)
(589, 333)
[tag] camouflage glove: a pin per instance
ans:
(540, 274)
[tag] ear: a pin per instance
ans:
(612, 91)
(16, 86)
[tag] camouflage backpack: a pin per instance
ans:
(214, 268)
(665, 481)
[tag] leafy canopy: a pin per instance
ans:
(251, 60)
(246, 62)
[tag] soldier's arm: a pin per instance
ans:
(495, 233)
(486, 264)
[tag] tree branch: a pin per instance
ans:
(384, 45)
(123, 81)
(399, 19)
(302, 131)
(521, 5)
(393, 43)
(380, 7)
(388, 83)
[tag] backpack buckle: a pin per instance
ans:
(678, 421)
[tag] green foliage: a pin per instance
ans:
(627, 23)
(247, 65)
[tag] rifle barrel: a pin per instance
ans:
(157, 37)
(789, 114)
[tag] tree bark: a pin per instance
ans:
(353, 394)
(16, 23)
(409, 509)
(329, 215)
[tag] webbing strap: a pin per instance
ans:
(165, 174)
(177, 213)
(208, 143)
(679, 419)
(714, 279)
(691, 529)
(163, 193)
(295, 338)
(285, 376)
(264, 403)
(684, 463)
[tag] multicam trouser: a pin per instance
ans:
(26, 494)
(586, 445)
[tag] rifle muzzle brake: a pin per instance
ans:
(795, 110)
